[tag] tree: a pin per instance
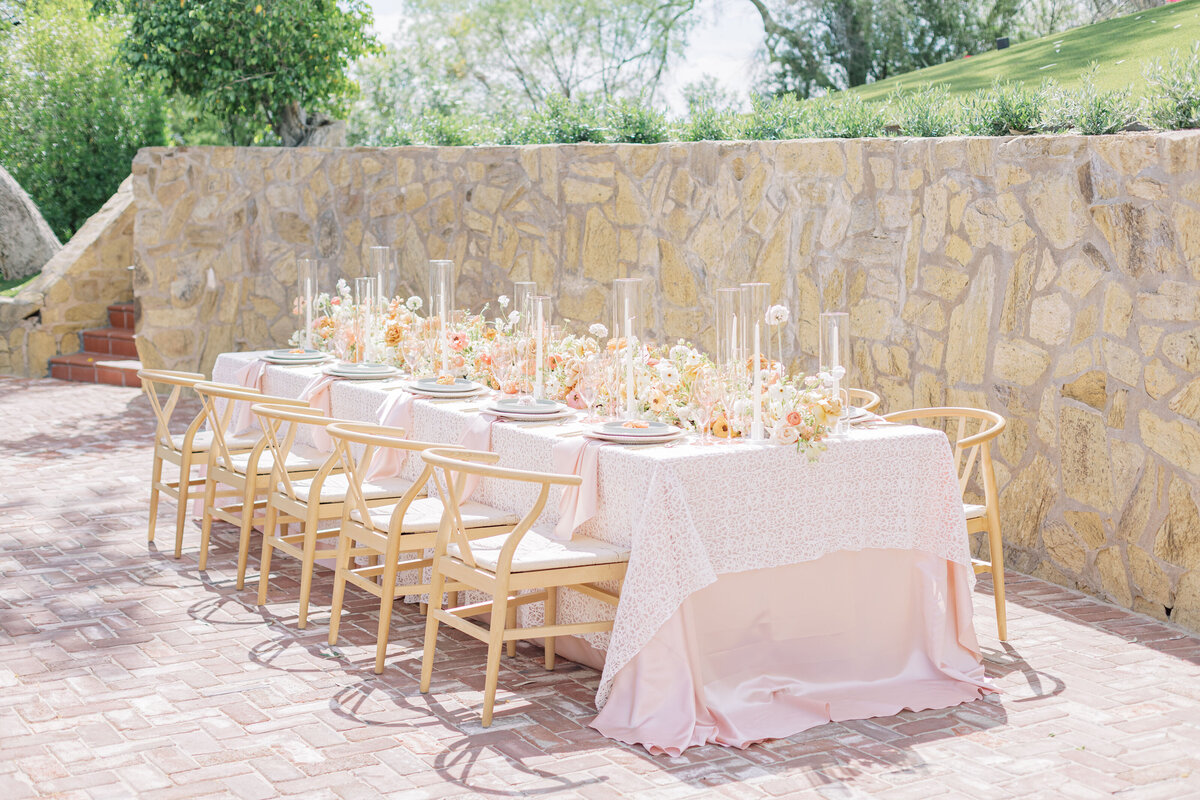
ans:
(514, 54)
(275, 64)
(71, 116)
(816, 46)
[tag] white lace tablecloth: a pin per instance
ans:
(690, 513)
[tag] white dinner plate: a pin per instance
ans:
(412, 388)
(527, 405)
(517, 416)
(431, 386)
(341, 371)
(652, 429)
(295, 362)
(295, 353)
(618, 439)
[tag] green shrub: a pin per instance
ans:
(851, 118)
(1002, 109)
(782, 117)
(1092, 111)
(559, 120)
(926, 112)
(448, 129)
(1173, 100)
(71, 116)
(709, 124)
(635, 123)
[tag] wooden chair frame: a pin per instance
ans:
(384, 547)
(185, 456)
(284, 507)
(977, 449)
(864, 399)
(505, 586)
(248, 485)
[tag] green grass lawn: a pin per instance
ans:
(1121, 47)
(10, 287)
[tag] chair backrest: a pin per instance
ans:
(219, 414)
(280, 425)
(155, 383)
(975, 447)
(864, 399)
(455, 465)
(356, 444)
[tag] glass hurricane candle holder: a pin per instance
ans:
(364, 320)
(729, 338)
(539, 332)
(522, 291)
(441, 302)
(754, 323)
(833, 355)
(382, 266)
(628, 314)
(306, 297)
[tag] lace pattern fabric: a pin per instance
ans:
(690, 513)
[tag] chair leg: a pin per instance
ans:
(510, 623)
(387, 600)
(210, 499)
(495, 640)
(185, 479)
(264, 563)
(431, 627)
(155, 479)
(996, 548)
(247, 526)
(339, 586)
(551, 616)
(308, 564)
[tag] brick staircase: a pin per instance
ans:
(109, 354)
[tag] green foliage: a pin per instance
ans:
(71, 117)
(851, 118)
(559, 120)
(635, 123)
(709, 124)
(445, 129)
(927, 112)
(1004, 108)
(254, 65)
(1174, 90)
(782, 117)
(1092, 111)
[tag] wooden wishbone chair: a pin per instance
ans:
(864, 399)
(406, 527)
(977, 449)
(309, 501)
(181, 449)
(504, 566)
(246, 473)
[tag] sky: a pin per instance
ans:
(722, 44)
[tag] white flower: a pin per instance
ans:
(680, 352)
(502, 300)
(668, 373)
(777, 315)
(413, 303)
(838, 372)
(775, 392)
(514, 317)
(598, 330)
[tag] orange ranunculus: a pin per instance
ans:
(720, 428)
(393, 334)
(793, 418)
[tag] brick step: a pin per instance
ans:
(110, 341)
(120, 315)
(88, 367)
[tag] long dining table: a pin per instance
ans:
(767, 592)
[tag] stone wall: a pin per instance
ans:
(73, 291)
(1055, 280)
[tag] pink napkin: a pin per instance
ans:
(577, 456)
(477, 437)
(316, 392)
(251, 376)
(396, 412)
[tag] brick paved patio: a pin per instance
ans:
(126, 673)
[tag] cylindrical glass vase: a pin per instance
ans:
(365, 316)
(306, 297)
(754, 333)
(628, 328)
(441, 303)
(539, 334)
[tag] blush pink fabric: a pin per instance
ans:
(396, 412)
(764, 654)
(251, 376)
(316, 392)
(477, 437)
(577, 456)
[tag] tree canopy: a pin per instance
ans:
(257, 66)
(816, 46)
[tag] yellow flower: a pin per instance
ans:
(257, 9)
(658, 401)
